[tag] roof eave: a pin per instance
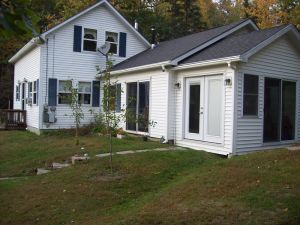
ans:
(26, 48)
(141, 68)
(212, 62)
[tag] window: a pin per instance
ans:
(34, 89)
(90, 40)
(18, 92)
(116, 97)
(84, 93)
(250, 99)
(112, 38)
(30, 84)
(137, 118)
(64, 93)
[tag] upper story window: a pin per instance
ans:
(112, 38)
(90, 40)
(250, 95)
(84, 93)
(64, 92)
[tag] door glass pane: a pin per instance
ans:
(214, 107)
(131, 106)
(143, 107)
(288, 110)
(194, 107)
(272, 109)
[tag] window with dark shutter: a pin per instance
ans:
(90, 40)
(52, 92)
(122, 51)
(250, 95)
(112, 38)
(96, 94)
(77, 38)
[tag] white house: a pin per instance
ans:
(227, 90)
(68, 52)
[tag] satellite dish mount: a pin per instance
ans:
(104, 49)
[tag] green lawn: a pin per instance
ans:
(175, 187)
(21, 152)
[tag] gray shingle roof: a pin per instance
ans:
(169, 50)
(233, 45)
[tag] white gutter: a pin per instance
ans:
(226, 60)
(139, 68)
(26, 48)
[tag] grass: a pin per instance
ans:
(175, 187)
(21, 152)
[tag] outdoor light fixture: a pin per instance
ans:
(177, 85)
(25, 80)
(228, 82)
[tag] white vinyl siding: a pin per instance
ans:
(158, 101)
(278, 60)
(65, 64)
(226, 146)
(28, 67)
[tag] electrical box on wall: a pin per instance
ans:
(49, 114)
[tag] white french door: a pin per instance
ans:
(204, 109)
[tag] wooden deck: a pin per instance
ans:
(11, 119)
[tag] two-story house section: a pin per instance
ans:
(67, 53)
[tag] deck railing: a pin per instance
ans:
(12, 119)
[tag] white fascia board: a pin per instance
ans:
(226, 60)
(140, 68)
(175, 61)
(26, 48)
(268, 41)
(71, 19)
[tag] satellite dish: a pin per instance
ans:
(104, 49)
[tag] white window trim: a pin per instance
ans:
(83, 39)
(32, 92)
(117, 43)
(258, 96)
(91, 93)
(138, 81)
(58, 92)
(18, 92)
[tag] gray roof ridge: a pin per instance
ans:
(197, 33)
(210, 29)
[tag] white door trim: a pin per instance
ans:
(203, 111)
(189, 82)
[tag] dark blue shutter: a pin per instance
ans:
(122, 44)
(96, 94)
(37, 92)
(77, 38)
(52, 92)
(118, 97)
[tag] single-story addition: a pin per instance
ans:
(227, 90)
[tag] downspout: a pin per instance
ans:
(47, 56)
